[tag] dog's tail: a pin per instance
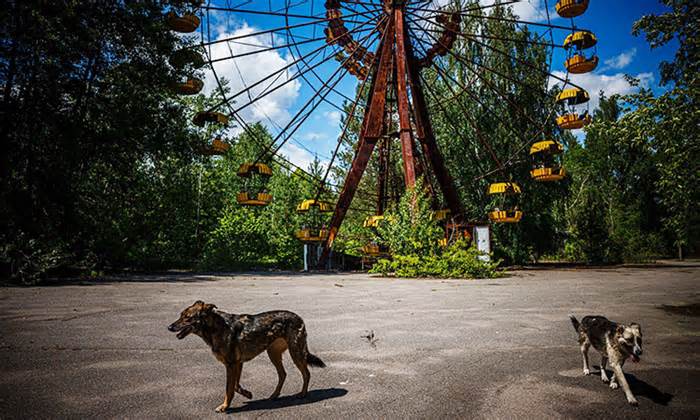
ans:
(314, 361)
(575, 322)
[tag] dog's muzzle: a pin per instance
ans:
(636, 354)
(182, 332)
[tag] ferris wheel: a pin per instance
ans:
(385, 67)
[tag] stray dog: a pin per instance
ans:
(615, 342)
(235, 339)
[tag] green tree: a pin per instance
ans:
(670, 121)
(85, 108)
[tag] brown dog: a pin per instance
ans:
(235, 339)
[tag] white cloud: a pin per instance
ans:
(333, 118)
(527, 10)
(313, 135)
(247, 70)
(610, 84)
(621, 60)
(299, 156)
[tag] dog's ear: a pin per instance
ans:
(198, 303)
(208, 307)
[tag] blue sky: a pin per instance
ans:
(620, 53)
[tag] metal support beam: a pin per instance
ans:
(372, 127)
(426, 136)
(401, 83)
(383, 176)
(395, 57)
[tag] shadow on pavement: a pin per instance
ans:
(643, 389)
(291, 400)
(173, 277)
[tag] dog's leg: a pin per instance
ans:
(298, 351)
(584, 352)
(275, 353)
(613, 381)
(231, 385)
(603, 374)
(244, 392)
(623, 382)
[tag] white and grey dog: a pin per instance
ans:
(615, 342)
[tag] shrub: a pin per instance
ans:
(457, 261)
(410, 229)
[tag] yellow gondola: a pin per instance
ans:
(571, 8)
(577, 62)
(313, 216)
(217, 147)
(581, 40)
(506, 216)
(204, 117)
(573, 96)
(185, 57)
(185, 24)
(248, 169)
(441, 215)
(508, 188)
(546, 167)
(191, 87)
(572, 119)
(509, 215)
(580, 64)
(307, 205)
(254, 193)
(373, 221)
(258, 200)
(312, 235)
(375, 250)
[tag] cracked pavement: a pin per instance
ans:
(500, 348)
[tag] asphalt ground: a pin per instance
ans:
(494, 349)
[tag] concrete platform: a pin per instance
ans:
(492, 349)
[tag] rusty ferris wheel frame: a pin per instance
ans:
(393, 68)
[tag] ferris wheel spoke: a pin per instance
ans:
(348, 121)
(505, 54)
(303, 58)
(263, 12)
(276, 74)
(321, 79)
(484, 143)
(490, 85)
(517, 134)
(455, 129)
(521, 41)
(326, 89)
(467, 14)
(439, 9)
(448, 82)
(279, 30)
(268, 91)
(524, 141)
(263, 49)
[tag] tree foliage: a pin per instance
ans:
(100, 165)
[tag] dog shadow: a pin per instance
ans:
(290, 400)
(645, 389)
